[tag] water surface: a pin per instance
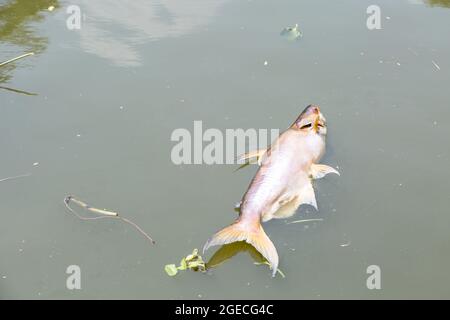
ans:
(93, 111)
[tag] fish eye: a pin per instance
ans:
(308, 125)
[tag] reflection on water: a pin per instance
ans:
(16, 32)
(140, 21)
(438, 3)
(228, 251)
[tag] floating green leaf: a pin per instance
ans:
(183, 264)
(193, 262)
(291, 33)
(171, 269)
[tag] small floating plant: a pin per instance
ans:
(193, 261)
(291, 33)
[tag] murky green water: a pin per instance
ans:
(92, 112)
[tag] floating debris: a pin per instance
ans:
(436, 65)
(103, 213)
(292, 33)
(193, 261)
(305, 220)
(51, 8)
(171, 269)
(345, 244)
(16, 58)
(16, 177)
(89, 208)
(19, 91)
(266, 63)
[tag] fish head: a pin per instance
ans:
(311, 121)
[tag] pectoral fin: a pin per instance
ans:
(307, 196)
(258, 154)
(321, 170)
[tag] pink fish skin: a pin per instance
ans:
(281, 184)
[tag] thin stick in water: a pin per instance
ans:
(305, 220)
(89, 208)
(102, 215)
(16, 58)
(19, 91)
(16, 177)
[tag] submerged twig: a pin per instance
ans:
(16, 177)
(267, 263)
(102, 214)
(19, 91)
(16, 58)
(89, 208)
(305, 220)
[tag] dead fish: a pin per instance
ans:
(281, 184)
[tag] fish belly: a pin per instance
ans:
(282, 183)
(290, 199)
(289, 209)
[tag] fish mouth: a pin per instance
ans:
(312, 118)
(319, 122)
(308, 111)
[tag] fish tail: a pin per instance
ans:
(255, 236)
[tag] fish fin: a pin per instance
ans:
(239, 231)
(307, 196)
(258, 154)
(242, 166)
(288, 209)
(318, 171)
